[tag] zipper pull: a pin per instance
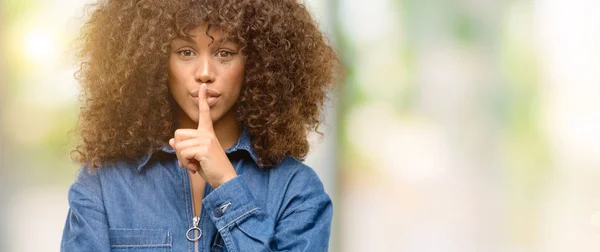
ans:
(195, 221)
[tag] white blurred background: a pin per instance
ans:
(463, 125)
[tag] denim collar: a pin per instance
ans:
(243, 143)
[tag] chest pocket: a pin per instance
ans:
(140, 240)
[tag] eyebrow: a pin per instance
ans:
(186, 39)
(220, 41)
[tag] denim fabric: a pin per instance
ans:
(147, 206)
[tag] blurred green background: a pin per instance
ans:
(462, 125)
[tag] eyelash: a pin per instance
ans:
(229, 54)
(219, 53)
(180, 52)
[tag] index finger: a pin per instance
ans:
(204, 120)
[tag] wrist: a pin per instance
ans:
(224, 179)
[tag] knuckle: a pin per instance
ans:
(203, 150)
(178, 133)
(185, 153)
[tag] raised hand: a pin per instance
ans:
(199, 150)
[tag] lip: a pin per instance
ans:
(213, 97)
(211, 100)
(209, 92)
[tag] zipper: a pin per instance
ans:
(197, 231)
(194, 233)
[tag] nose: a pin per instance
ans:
(204, 72)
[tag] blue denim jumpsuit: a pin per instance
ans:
(147, 206)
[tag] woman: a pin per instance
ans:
(194, 122)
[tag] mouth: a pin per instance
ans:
(211, 100)
(209, 92)
(212, 97)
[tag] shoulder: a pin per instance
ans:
(87, 170)
(93, 177)
(294, 166)
(110, 179)
(297, 175)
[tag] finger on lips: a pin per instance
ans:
(186, 142)
(204, 120)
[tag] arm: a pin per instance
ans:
(303, 222)
(86, 227)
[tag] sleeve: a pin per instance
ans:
(86, 227)
(302, 224)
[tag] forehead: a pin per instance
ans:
(206, 32)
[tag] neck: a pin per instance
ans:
(227, 129)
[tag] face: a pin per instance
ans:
(198, 60)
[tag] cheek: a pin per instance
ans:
(175, 77)
(237, 75)
(233, 79)
(236, 81)
(174, 69)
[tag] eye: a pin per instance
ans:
(186, 53)
(224, 54)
